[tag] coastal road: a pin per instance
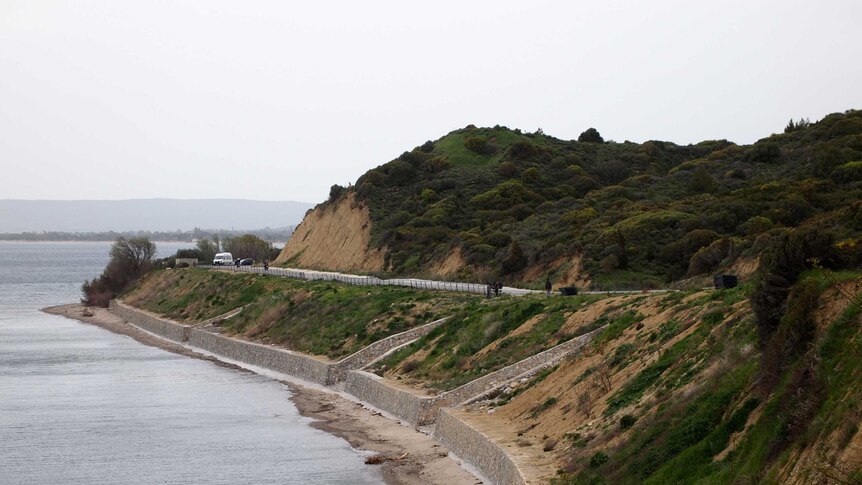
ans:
(422, 284)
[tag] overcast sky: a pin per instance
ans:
(275, 100)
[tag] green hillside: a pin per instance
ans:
(640, 214)
(697, 386)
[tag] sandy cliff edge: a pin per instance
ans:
(334, 237)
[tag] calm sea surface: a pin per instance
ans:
(81, 405)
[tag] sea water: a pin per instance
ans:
(81, 405)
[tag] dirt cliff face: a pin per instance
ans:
(333, 237)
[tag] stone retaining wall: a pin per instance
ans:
(280, 360)
(475, 448)
(151, 323)
(496, 379)
(421, 410)
(417, 410)
(378, 349)
(273, 358)
(372, 389)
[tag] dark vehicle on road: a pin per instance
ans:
(246, 262)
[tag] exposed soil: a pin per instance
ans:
(525, 431)
(453, 262)
(333, 237)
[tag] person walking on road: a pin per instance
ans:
(548, 286)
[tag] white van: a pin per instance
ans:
(223, 259)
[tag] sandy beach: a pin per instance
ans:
(405, 455)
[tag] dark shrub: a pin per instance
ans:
(515, 260)
(508, 170)
(437, 164)
(612, 171)
(764, 152)
(335, 192)
(591, 136)
(480, 145)
(400, 172)
(701, 181)
(781, 264)
(627, 421)
(410, 365)
(522, 150)
(130, 258)
(498, 239)
(708, 258)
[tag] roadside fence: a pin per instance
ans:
(419, 284)
(359, 280)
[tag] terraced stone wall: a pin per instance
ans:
(475, 448)
(372, 389)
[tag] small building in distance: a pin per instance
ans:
(185, 262)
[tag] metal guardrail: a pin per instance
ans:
(419, 284)
(415, 283)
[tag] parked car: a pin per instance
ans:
(246, 262)
(223, 259)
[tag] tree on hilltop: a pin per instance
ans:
(591, 136)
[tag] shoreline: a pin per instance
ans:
(405, 455)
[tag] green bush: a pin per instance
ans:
(598, 459)
(849, 172)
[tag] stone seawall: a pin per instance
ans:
(417, 410)
(281, 360)
(370, 388)
(272, 358)
(154, 324)
(373, 352)
(475, 448)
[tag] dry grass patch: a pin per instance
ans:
(268, 319)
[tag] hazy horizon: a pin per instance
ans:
(165, 215)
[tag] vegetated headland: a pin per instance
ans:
(752, 384)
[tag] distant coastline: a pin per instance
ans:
(274, 235)
(167, 216)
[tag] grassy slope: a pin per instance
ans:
(320, 318)
(485, 336)
(668, 393)
(671, 394)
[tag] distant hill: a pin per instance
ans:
(146, 214)
(498, 203)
